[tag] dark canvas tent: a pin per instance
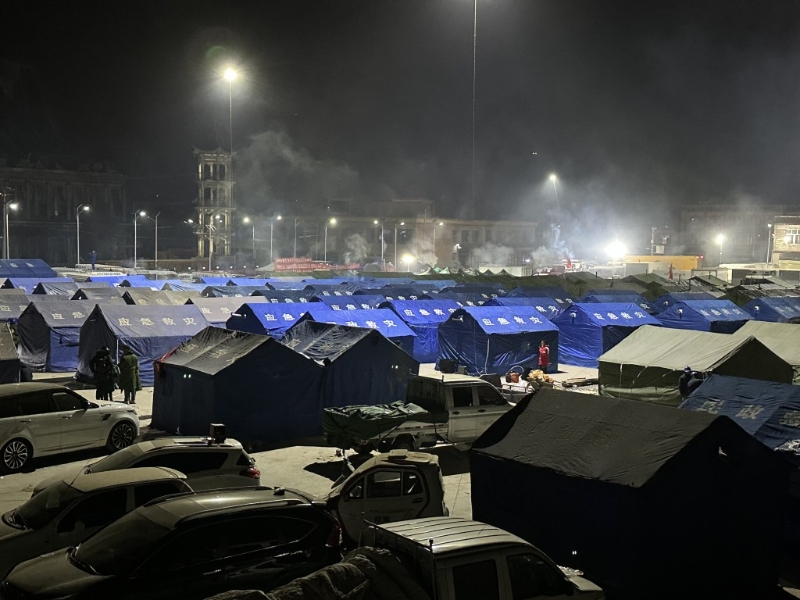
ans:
(588, 330)
(556, 293)
(649, 501)
(147, 297)
(109, 279)
(217, 311)
(138, 281)
(396, 293)
(230, 291)
(150, 331)
(649, 362)
(718, 316)
(9, 360)
(664, 302)
(285, 295)
(354, 302)
(49, 334)
(780, 338)
(381, 319)
(106, 294)
(248, 281)
(423, 318)
(492, 339)
(272, 319)
(776, 310)
(548, 307)
(462, 298)
(287, 285)
(12, 306)
(260, 389)
(60, 288)
(29, 284)
(361, 365)
(184, 286)
(610, 295)
(212, 280)
(33, 268)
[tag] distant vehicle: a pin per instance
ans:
(454, 558)
(389, 487)
(41, 419)
(192, 545)
(446, 407)
(73, 509)
(207, 464)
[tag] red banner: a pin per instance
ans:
(306, 265)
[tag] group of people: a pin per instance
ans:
(689, 381)
(109, 375)
(513, 379)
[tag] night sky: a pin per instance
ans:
(639, 107)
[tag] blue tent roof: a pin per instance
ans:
(462, 298)
(258, 281)
(589, 330)
(767, 410)
(558, 294)
(546, 306)
(184, 286)
(333, 290)
(60, 288)
(230, 291)
(667, 300)
(139, 281)
(354, 302)
(608, 296)
(776, 310)
(285, 295)
(34, 268)
(111, 279)
(396, 293)
(287, 285)
(12, 306)
(485, 293)
(381, 319)
(217, 311)
(271, 318)
(212, 280)
(423, 318)
(492, 288)
(29, 284)
(718, 316)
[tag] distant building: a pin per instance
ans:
(785, 250)
(215, 206)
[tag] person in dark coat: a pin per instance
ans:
(683, 382)
(129, 381)
(695, 382)
(102, 367)
(93, 258)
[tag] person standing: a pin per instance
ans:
(129, 381)
(93, 258)
(683, 382)
(544, 356)
(102, 367)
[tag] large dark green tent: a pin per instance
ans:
(782, 338)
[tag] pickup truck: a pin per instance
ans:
(454, 558)
(447, 407)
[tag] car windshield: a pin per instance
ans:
(122, 545)
(118, 460)
(43, 507)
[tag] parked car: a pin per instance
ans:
(207, 464)
(40, 419)
(189, 546)
(71, 510)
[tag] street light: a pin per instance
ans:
(554, 178)
(155, 260)
(720, 239)
(295, 236)
(395, 241)
(616, 250)
(136, 215)
(271, 228)
(408, 259)
(769, 243)
(247, 221)
(441, 224)
(331, 221)
(78, 210)
(376, 221)
(11, 204)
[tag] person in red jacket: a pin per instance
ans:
(544, 356)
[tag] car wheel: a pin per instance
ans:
(16, 454)
(404, 442)
(121, 436)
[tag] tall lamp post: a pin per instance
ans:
(769, 243)
(440, 224)
(230, 75)
(295, 235)
(155, 260)
(271, 230)
(554, 179)
(720, 239)
(376, 222)
(10, 205)
(331, 221)
(248, 221)
(136, 215)
(78, 210)
(395, 242)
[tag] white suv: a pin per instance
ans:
(40, 419)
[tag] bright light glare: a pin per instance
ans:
(142, 214)
(14, 205)
(332, 221)
(720, 238)
(408, 259)
(230, 74)
(553, 177)
(375, 221)
(85, 208)
(278, 217)
(616, 250)
(246, 220)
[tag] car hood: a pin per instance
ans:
(52, 576)
(109, 407)
(68, 475)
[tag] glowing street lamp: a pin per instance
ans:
(395, 241)
(376, 222)
(616, 250)
(720, 238)
(136, 215)
(554, 179)
(769, 243)
(78, 211)
(10, 205)
(331, 221)
(408, 259)
(247, 221)
(271, 228)
(155, 258)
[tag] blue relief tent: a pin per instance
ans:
(491, 289)
(546, 306)
(217, 311)
(381, 319)
(361, 365)
(143, 296)
(590, 330)
(140, 281)
(775, 310)
(395, 293)
(664, 302)
(248, 281)
(231, 291)
(13, 305)
(212, 280)
(49, 334)
(150, 331)
(261, 390)
(109, 279)
(423, 318)
(716, 316)
(29, 284)
(484, 293)
(333, 290)
(462, 298)
(27, 268)
(103, 294)
(285, 295)
(60, 288)
(610, 295)
(354, 302)
(287, 285)
(272, 319)
(561, 296)
(434, 284)
(183, 286)
(492, 339)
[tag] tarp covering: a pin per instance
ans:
(60, 288)
(397, 293)
(344, 426)
(217, 311)
(639, 494)
(9, 360)
(589, 330)
(106, 294)
(718, 316)
(150, 331)
(492, 339)
(285, 295)
(212, 280)
(361, 365)
(183, 286)
(287, 285)
(49, 334)
(423, 318)
(333, 290)
(29, 284)
(607, 296)
(663, 302)
(12, 305)
(231, 291)
(462, 298)
(33, 268)
(141, 281)
(649, 362)
(248, 281)
(146, 297)
(546, 306)
(780, 338)
(776, 310)
(354, 302)
(381, 319)
(270, 318)
(109, 279)
(261, 390)
(556, 293)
